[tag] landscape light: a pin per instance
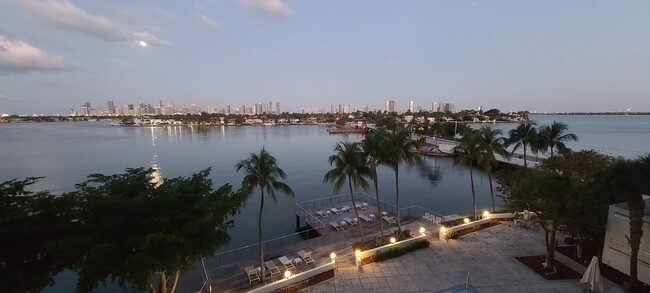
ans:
(392, 240)
(333, 256)
(357, 253)
(466, 220)
(421, 230)
(443, 229)
(486, 214)
(287, 274)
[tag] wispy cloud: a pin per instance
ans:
(55, 85)
(208, 23)
(5, 98)
(20, 57)
(269, 8)
(68, 16)
(120, 62)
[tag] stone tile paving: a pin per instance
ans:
(488, 256)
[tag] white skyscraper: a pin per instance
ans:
(411, 106)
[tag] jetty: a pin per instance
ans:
(334, 130)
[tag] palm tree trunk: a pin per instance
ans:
(637, 207)
(259, 235)
(550, 248)
(525, 162)
(376, 183)
(491, 190)
(551, 151)
(471, 179)
(399, 224)
(354, 204)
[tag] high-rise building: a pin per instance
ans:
(411, 106)
(436, 107)
(340, 109)
(111, 107)
(277, 108)
(390, 106)
(228, 109)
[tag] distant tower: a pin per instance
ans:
(391, 106)
(411, 106)
(387, 107)
(111, 107)
(277, 108)
(228, 109)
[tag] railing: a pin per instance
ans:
(417, 211)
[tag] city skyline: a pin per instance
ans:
(553, 56)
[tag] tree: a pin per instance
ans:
(146, 236)
(399, 149)
(554, 136)
(468, 151)
(490, 143)
(628, 181)
(349, 165)
(32, 225)
(523, 136)
(543, 193)
(372, 148)
(262, 171)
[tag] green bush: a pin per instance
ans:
(358, 246)
(399, 251)
(451, 234)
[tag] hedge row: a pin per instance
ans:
(399, 251)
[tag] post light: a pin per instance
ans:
(287, 274)
(466, 220)
(357, 259)
(443, 229)
(333, 256)
(357, 253)
(392, 240)
(421, 230)
(486, 214)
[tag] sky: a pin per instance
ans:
(511, 55)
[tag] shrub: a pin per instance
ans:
(399, 251)
(451, 234)
(357, 246)
(378, 241)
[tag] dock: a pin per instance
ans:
(334, 130)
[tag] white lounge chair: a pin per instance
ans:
(306, 256)
(336, 211)
(286, 263)
(253, 274)
(273, 268)
(322, 214)
(350, 221)
(365, 218)
(346, 209)
(360, 206)
(390, 220)
(336, 226)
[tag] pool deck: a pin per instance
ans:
(488, 255)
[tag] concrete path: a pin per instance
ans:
(488, 256)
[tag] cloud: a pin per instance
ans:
(10, 99)
(120, 62)
(68, 16)
(270, 8)
(209, 23)
(20, 57)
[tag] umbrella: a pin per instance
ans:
(592, 276)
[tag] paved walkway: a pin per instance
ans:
(488, 256)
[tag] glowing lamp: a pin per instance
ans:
(357, 253)
(486, 214)
(392, 240)
(421, 230)
(466, 220)
(287, 274)
(443, 229)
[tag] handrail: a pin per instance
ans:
(264, 242)
(422, 208)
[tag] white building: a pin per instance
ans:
(616, 251)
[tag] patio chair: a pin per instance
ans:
(306, 256)
(390, 220)
(322, 214)
(286, 263)
(336, 226)
(336, 211)
(346, 209)
(360, 206)
(350, 221)
(365, 218)
(273, 268)
(253, 274)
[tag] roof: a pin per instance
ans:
(623, 205)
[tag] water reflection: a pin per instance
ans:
(431, 173)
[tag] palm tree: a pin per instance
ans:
(629, 181)
(398, 148)
(372, 147)
(262, 171)
(491, 142)
(523, 136)
(553, 136)
(468, 151)
(349, 164)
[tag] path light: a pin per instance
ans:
(486, 214)
(392, 240)
(333, 256)
(443, 229)
(357, 259)
(466, 220)
(287, 274)
(357, 253)
(421, 230)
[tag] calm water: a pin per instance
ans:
(65, 153)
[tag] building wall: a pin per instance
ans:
(616, 251)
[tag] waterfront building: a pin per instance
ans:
(411, 106)
(390, 106)
(111, 107)
(436, 107)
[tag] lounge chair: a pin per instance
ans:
(360, 206)
(336, 226)
(350, 221)
(286, 263)
(390, 220)
(306, 256)
(273, 268)
(346, 209)
(336, 211)
(323, 214)
(253, 274)
(365, 218)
